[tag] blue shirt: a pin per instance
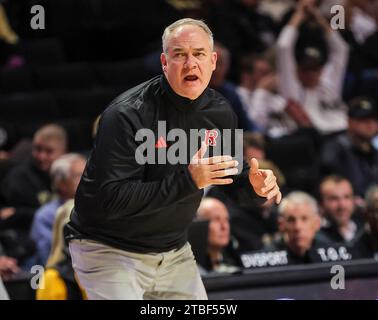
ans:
(41, 230)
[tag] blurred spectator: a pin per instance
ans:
(342, 222)
(367, 245)
(252, 222)
(10, 158)
(361, 18)
(220, 256)
(299, 222)
(275, 8)
(65, 174)
(254, 147)
(241, 26)
(59, 277)
(262, 104)
(8, 43)
(227, 89)
(308, 77)
(352, 154)
(28, 186)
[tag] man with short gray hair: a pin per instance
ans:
(128, 230)
(299, 221)
(65, 174)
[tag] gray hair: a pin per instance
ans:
(61, 167)
(298, 197)
(52, 132)
(184, 22)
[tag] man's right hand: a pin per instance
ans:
(211, 171)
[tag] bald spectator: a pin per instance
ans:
(221, 258)
(253, 223)
(65, 174)
(342, 223)
(352, 154)
(28, 186)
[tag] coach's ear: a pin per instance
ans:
(214, 57)
(163, 60)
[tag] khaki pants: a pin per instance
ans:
(3, 292)
(108, 273)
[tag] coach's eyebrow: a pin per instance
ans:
(177, 49)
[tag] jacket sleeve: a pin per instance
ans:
(120, 184)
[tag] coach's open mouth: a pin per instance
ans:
(191, 78)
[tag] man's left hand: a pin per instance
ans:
(264, 182)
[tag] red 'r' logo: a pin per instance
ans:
(210, 137)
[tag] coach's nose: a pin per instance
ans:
(190, 62)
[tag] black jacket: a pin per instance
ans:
(145, 208)
(26, 188)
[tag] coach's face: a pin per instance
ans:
(189, 61)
